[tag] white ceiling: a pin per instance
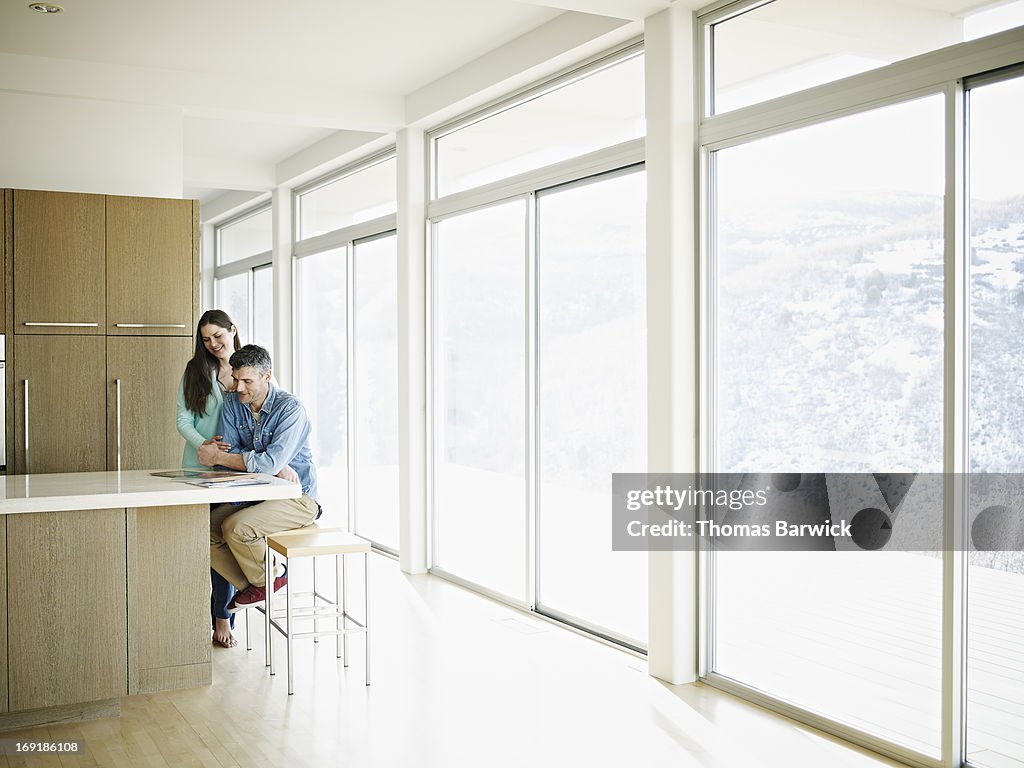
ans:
(261, 80)
(267, 87)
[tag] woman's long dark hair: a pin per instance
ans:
(198, 383)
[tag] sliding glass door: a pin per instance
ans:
(828, 357)
(995, 573)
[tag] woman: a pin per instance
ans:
(200, 399)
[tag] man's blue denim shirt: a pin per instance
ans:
(281, 436)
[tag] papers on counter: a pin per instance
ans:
(213, 479)
(233, 481)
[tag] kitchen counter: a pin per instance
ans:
(105, 589)
(135, 488)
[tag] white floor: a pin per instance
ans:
(458, 681)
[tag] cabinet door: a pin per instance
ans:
(66, 428)
(67, 607)
(6, 210)
(59, 262)
(3, 614)
(168, 629)
(149, 370)
(151, 278)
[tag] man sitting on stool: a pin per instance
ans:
(265, 429)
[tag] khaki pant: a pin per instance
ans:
(237, 545)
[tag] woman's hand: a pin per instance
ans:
(218, 440)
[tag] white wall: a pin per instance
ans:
(80, 145)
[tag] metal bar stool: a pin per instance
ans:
(313, 541)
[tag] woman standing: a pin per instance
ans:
(200, 399)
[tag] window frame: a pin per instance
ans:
(938, 72)
(624, 157)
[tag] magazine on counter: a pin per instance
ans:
(213, 478)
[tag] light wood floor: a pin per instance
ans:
(458, 680)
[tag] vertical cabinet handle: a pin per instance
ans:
(118, 384)
(26, 426)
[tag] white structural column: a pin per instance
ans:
(281, 260)
(671, 323)
(412, 351)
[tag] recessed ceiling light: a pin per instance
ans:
(46, 8)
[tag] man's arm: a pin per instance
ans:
(291, 432)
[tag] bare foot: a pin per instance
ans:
(222, 634)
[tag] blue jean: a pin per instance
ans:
(221, 594)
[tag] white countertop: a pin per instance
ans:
(134, 488)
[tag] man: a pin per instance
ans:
(265, 430)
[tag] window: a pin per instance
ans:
(838, 338)
(539, 321)
(355, 196)
(244, 237)
(480, 424)
(781, 47)
(321, 375)
(243, 278)
(232, 296)
(375, 389)
(346, 345)
(597, 109)
(995, 576)
(828, 327)
(591, 359)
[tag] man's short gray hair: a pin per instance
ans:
(251, 356)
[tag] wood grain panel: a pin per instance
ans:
(6, 209)
(67, 411)
(67, 611)
(196, 231)
(3, 614)
(59, 261)
(149, 370)
(174, 678)
(169, 597)
(69, 713)
(8, 379)
(150, 275)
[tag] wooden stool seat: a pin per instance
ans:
(314, 541)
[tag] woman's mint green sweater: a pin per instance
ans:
(196, 429)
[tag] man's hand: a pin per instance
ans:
(209, 452)
(219, 440)
(288, 474)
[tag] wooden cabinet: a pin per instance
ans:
(62, 379)
(142, 385)
(168, 629)
(6, 210)
(69, 604)
(84, 266)
(96, 264)
(3, 614)
(150, 270)
(58, 246)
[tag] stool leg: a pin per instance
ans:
(288, 637)
(344, 613)
(248, 635)
(268, 607)
(366, 610)
(316, 624)
(339, 622)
